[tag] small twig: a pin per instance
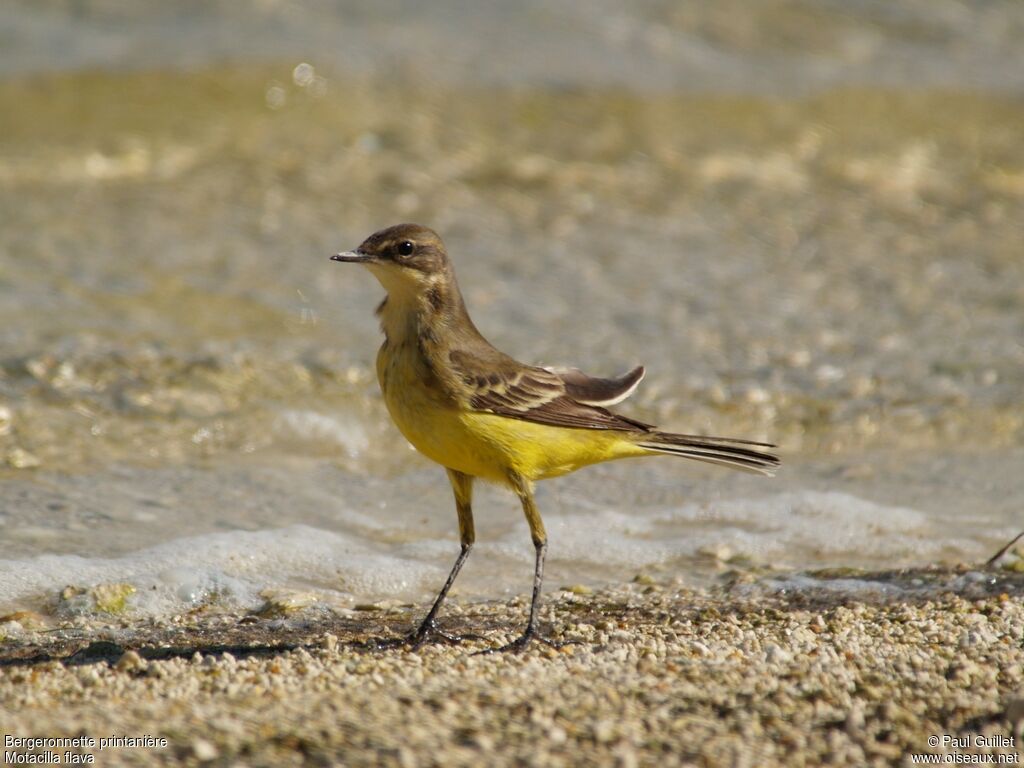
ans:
(1005, 548)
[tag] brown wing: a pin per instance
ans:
(532, 394)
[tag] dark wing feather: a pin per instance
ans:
(532, 394)
(593, 390)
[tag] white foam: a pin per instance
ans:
(384, 558)
(233, 566)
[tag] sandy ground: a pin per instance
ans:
(745, 674)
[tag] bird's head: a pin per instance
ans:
(404, 258)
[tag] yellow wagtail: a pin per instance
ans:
(479, 413)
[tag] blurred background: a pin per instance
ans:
(806, 218)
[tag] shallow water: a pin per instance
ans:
(828, 256)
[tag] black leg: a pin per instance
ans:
(540, 543)
(538, 579)
(428, 631)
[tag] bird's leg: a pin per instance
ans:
(524, 489)
(428, 631)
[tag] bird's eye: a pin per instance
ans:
(405, 248)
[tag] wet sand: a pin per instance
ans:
(744, 674)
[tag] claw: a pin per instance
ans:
(520, 643)
(427, 632)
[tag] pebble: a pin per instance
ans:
(204, 750)
(130, 661)
(777, 655)
(729, 680)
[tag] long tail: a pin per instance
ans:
(725, 451)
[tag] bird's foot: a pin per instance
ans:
(523, 641)
(427, 632)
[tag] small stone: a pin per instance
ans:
(130, 661)
(111, 598)
(604, 731)
(626, 757)
(700, 648)
(11, 629)
(484, 742)
(26, 619)
(406, 758)
(855, 719)
(578, 589)
(204, 750)
(283, 602)
(720, 552)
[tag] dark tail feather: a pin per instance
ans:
(724, 451)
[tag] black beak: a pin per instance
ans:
(352, 256)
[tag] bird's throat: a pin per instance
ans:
(411, 310)
(401, 315)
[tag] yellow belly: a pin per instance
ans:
(487, 445)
